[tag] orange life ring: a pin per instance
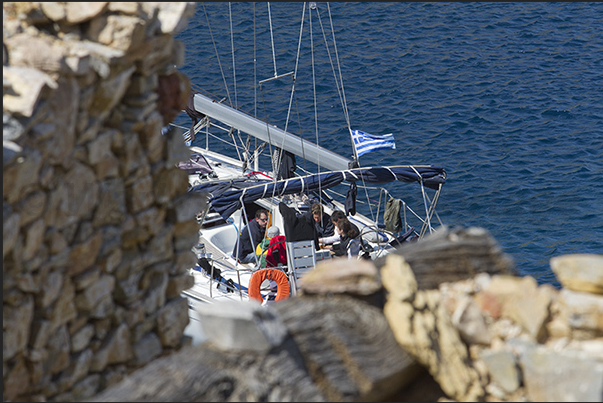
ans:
(268, 274)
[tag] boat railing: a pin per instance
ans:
(223, 263)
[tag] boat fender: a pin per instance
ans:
(258, 277)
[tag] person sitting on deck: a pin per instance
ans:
(251, 235)
(335, 238)
(277, 249)
(272, 251)
(349, 244)
(322, 221)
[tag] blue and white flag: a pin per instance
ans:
(365, 142)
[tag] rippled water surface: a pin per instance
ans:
(508, 97)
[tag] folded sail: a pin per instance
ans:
(226, 199)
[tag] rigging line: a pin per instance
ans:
(234, 79)
(247, 159)
(406, 225)
(279, 155)
(337, 84)
(269, 142)
(293, 92)
(266, 120)
(219, 138)
(234, 140)
(313, 5)
(234, 70)
(217, 55)
(293, 78)
(260, 149)
(274, 168)
(197, 128)
(301, 136)
(243, 145)
(230, 133)
(292, 97)
(344, 102)
(272, 39)
(255, 97)
(255, 67)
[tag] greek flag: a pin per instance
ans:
(365, 142)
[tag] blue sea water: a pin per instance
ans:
(508, 97)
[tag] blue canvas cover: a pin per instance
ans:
(226, 197)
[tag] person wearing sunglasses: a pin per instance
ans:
(251, 235)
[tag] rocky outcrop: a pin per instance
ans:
(96, 244)
(375, 334)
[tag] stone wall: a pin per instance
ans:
(97, 224)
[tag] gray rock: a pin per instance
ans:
(503, 369)
(27, 85)
(579, 272)
(355, 277)
(551, 376)
(79, 12)
(10, 152)
(245, 325)
(12, 129)
(147, 349)
(585, 310)
(454, 254)
(469, 321)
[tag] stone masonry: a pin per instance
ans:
(97, 224)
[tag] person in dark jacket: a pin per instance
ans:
(298, 227)
(349, 244)
(251, 235)
(322, 221)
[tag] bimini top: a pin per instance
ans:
(226, 197)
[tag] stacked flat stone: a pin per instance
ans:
(97, 225)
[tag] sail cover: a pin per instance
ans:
(225, 200)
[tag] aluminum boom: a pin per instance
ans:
(271, 134)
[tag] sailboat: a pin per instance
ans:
(238, 186)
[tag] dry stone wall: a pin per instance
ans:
(97, 224)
